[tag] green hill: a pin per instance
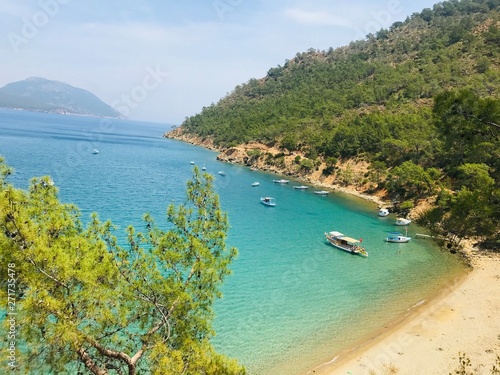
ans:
(316, 96)
(419, 102)
(40, 94)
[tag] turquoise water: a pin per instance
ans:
(293, 301)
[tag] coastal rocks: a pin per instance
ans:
(347, 177)
(180, 135)
(234, 155)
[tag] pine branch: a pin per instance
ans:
(89, 363)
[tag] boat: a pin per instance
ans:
(191, 162)
(301, 187)
(256, 183)
(268, 201)
(383, 212)
(222, 173)
(348, 244)
(203, 168)
(402, 221)
(321, 192)
(281, 181)
(397, 237)
(95, 151)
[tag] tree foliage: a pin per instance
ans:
(468, 126)
(410, 180)
(86, 303)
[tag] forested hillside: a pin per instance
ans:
(419, 101)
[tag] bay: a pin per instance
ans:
(293, 301)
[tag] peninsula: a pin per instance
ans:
(43, 95)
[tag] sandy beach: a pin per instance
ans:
(465, 318)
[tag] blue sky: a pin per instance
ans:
(163, 60)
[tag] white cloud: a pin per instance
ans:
(316, 17)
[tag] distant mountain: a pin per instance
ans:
(40, 94)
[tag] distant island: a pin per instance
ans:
(43, 95)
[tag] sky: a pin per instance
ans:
(161, 60)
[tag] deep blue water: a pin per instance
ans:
(293, 301)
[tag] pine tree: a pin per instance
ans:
(86, 304)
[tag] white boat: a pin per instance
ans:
(191, 162)
(383, 212)
(222, 173)
(203, 168)
(301, 187)
(95, 151)
(402, 221)
(321, 192)
(268, 201)
(281, 181)
(342, 242)
(256, 183)
(397, 237)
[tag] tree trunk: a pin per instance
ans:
(90, 364)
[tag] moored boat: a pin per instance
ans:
(301, 187)
(268, 201)
(402, 221)
(95, 151)
(348, 244)
(321, 192)
(383, 212)
(282, 181)
(256, 183)
(222, 173)
(397, 237)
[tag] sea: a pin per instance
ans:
(293, 302)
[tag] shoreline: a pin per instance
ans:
(462, 318)
(427, 340)
(238, 155)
